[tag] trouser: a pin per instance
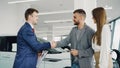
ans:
(75, 65)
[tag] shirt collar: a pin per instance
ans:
(31, 25)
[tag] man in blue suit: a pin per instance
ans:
(27, 45)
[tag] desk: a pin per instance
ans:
(7, 60)
(56, 60)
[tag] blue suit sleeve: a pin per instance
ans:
(31, 39)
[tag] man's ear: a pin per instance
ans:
(80, 17)
(30, 16)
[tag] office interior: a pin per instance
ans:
(55, 23)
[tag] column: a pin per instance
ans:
(50, 33)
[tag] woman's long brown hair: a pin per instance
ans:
(99, 15)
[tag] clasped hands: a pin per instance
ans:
(53, 44)
(74, 52)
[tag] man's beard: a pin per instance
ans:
(76, 23)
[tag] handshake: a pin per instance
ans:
(53, 44)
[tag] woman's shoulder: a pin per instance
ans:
(106, 25)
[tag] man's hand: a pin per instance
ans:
(39, 54)
(53, 44)
(74, 52)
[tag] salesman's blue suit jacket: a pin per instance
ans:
(27, 48)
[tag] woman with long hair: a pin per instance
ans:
(101, 39)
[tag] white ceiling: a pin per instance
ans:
(62, 10)
(59, 10)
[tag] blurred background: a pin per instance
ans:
(55, 23)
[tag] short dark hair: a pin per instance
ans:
(29, 11)
(80, 11)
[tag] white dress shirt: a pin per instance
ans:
(31, 25)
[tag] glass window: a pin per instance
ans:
(119, 45)
(116, 35)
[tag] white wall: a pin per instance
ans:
(11, 17)
(20, 9)
(7, 19)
